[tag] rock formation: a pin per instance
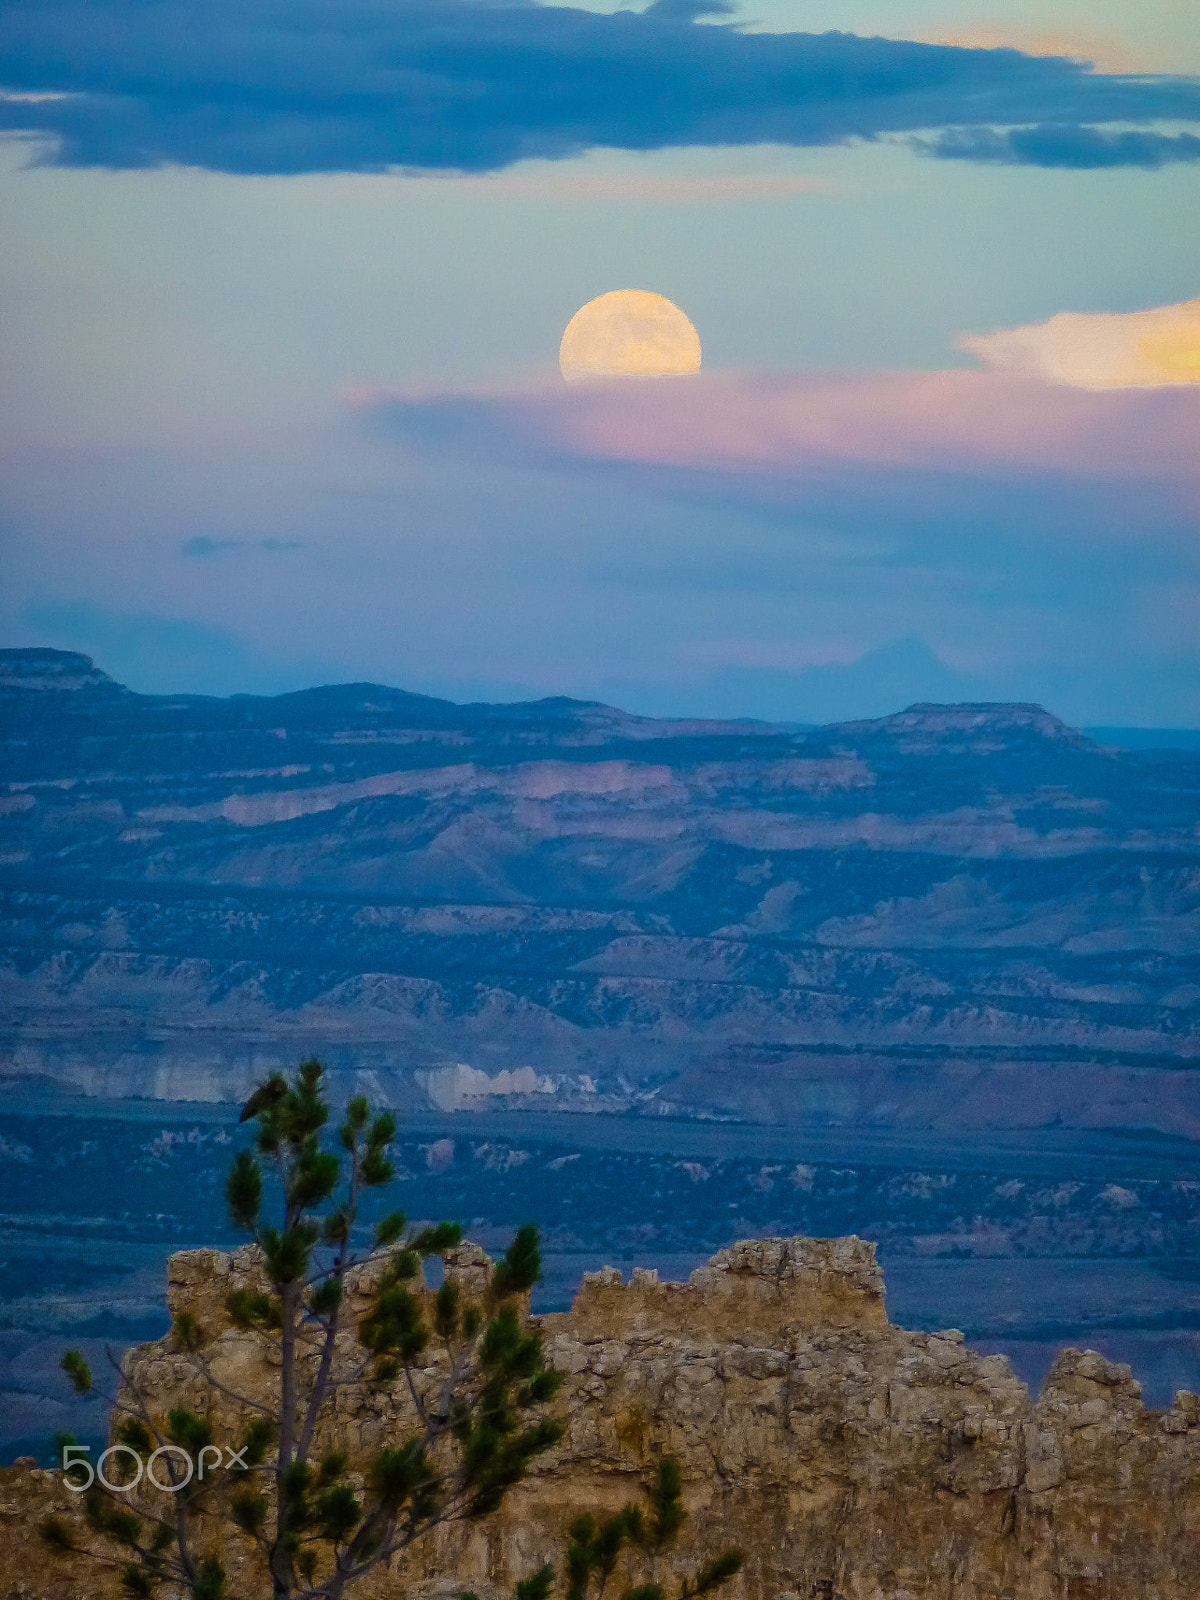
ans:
(848, 1457)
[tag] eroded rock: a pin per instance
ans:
(849, 1458)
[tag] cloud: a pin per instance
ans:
(278, 86)
(924, 495)
(737, 542)
(781, 426)
(203, 546)
(1068, 145)
(1159, 348)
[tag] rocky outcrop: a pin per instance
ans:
(848, 1457)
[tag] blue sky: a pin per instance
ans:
(285, 284)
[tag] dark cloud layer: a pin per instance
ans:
(1064, 145)
(279, 86)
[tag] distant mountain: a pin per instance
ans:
(962, 915)
(894, 674)
(61, 671)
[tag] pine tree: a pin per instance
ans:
(468, 1368)
(595, 1549)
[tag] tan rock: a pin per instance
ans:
(847, 1457)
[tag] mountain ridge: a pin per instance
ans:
(968, 913)
(69, 671)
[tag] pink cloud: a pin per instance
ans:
(779, 425)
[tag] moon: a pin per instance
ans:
(629, 333)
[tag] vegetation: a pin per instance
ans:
(642, 1535)
(466, 1370)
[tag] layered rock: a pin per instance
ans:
(959, 915)
(848, 1457)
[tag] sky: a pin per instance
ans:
(283, 284)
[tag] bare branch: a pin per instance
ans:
(231, 1394)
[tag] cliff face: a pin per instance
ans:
(853, 1458)
(849, 1458)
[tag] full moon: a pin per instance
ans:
(629, 333)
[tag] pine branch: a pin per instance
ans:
(321, 1384)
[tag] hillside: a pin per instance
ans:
(954, 917)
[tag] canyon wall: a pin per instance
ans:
(848, 1457)
(956, 917)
